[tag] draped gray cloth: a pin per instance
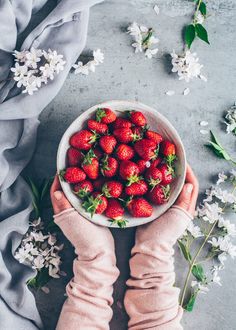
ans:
(63, 30)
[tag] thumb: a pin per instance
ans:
(184, 198)
(59, 202)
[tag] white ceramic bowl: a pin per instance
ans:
(157, 122)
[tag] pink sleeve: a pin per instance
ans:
(89, 292)
(151, 300)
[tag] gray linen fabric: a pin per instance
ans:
(64, 30)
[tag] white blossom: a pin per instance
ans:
(202, 288)
(227, 226)
(143, 39)
(224, 244)
(199, 18)
(98, 56)
(221, 178)
(216, 278)
(231, 120)
(186, 65)
(90, 66)
(195, 231)
(210, 212)
(33, 57)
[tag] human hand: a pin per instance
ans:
(188, 196)
(59, 200)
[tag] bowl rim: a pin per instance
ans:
(124, 104)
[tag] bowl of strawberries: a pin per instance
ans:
(121, 164)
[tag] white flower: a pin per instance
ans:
(20, 56)
(216, 278)
(98, 56)
(53, 271)
(32, 58)
(195, 231)
(92, 66)
(224, 244)
(38, 262)
(231, 120)
(19, 71)
(202, 288)
(80, 68)
(21, 255)
(221, 178)
(222, 257)
(210, 212)
(150, 52)
(186, 65)
(227, 226)
(199, 18)
(134, 29)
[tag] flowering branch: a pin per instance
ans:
(196, 29)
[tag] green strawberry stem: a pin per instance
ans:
(121, 223)
(91, 204)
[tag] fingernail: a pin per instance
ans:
(58, 195)
(189, 188)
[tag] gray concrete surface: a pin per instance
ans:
(125, 75)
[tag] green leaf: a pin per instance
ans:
(218, 149)
(45, 188)
(34, 190)
(184, 250)
(189, 35)
(198, 273)
(190, 304)
(203, 9)
(202, 33)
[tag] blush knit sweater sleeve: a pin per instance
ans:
(88, 306)
(151, 299)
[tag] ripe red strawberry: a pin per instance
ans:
(151, 135)
(98, 183)
(137, 118)
(115, 212)
(73, 175)
(167, 174)
(109, 166)
(156, 162)
(105, 115)
(121, 123)
(107, 143)
(98, 152)
(146, 149)
(112, 189)
(168, 151)
(83, 189)
(124, 135)
(153, 176)
(90, 165)
(138, 133)
(140, 208)
(95, 126)
(96, 203)
(159, 194)
(74, 157)
(142, 165)
(124, 152)
(137, 188)
(83, 140)
(129, 171)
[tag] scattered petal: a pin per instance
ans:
(170, 93)
(203, 123)
(186, 91)
(156, 9)
(203, 78)
(45, 289)
(204, 131)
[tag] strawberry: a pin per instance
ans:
(146, 149)
(105, 115)
(115, 212)
(112, 189)
(153, 176)
(159, 194)
(124, 152)
(107, 143)
(121, 123)
(137, 188)
(109, 166)
(137, 118)
(83, 140)
(139, 208)
(96, 203)
(129, 171)
(74, 157)
(167, 174)
(98, 152)
(156, 162)
(95, 126)
(98, 183)
(142, 165)
(124, 135)
(73, 175)
(154, 136)
(83, 189)
(90, 165)
(168, 151)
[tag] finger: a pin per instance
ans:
(190, 177)
(184, 198)
(59, 200)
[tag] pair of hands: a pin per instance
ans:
(186, 200)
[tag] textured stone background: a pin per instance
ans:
(125, 75)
